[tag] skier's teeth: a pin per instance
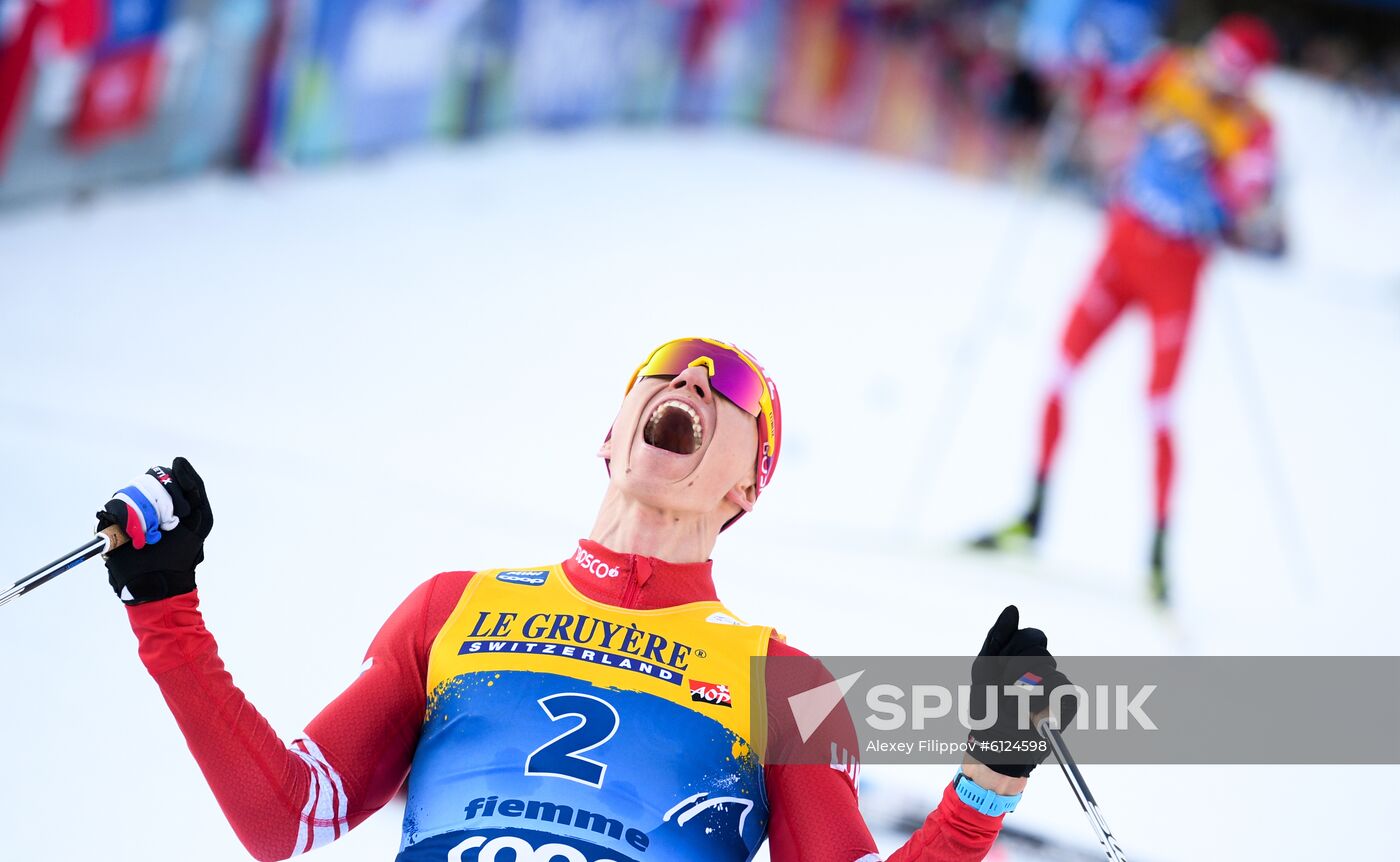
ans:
(697, 430)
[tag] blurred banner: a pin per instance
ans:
(98, 91)
(360, 75)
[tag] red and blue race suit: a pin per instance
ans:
(498, 739)
(1204, 160)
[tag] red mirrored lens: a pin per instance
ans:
(731, 377)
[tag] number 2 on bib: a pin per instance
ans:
(562, 756)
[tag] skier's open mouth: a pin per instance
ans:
(675, 427)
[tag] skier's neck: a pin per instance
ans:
(628, 526)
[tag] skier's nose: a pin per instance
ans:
(694, 380)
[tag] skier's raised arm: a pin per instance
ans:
(281, 800)
(815, 808)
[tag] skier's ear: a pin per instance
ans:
(743, 495)
(605, 450)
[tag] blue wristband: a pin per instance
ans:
(982, 800)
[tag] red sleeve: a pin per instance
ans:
(1101, 86)
(814, 812)
(1246, 179)
(1143, 74)
(280, 799)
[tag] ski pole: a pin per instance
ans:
(106, 540)
(1272, 464)
(1013, 252)
(1052, 735)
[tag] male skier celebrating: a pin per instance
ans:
(1203, 171)
(589, 711)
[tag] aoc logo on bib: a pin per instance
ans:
(531, 578)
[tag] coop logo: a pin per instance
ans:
(592, 564)
(531, 578)
(708, 692)
(509, 848)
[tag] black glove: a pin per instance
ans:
(166, 515)
(1010, 656)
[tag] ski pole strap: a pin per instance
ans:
(981, 799)
(145, 508)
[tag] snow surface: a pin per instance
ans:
(392, 368)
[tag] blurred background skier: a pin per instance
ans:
(1202, 173)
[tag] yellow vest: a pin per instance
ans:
(568, 730)
(1175, 95)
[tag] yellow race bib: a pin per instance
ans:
(567, 730)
